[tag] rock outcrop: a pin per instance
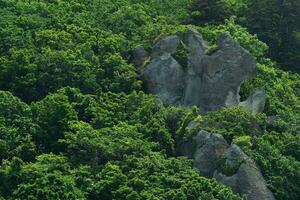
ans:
(205, 149)
(228, 164)
(214, 80)
(208, 82)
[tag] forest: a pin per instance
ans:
(76, 122)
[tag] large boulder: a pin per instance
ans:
(228, 164)
(208, 82)
(214, 80)
(164, 76)
(167, 45)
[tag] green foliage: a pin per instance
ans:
(243, 141)
(48, 178)
(86, 145)
(234, 121)
(277, 23)
(283, 93)
(52, 115)
(16, 127)
(55, 45)
(10, 175)
(71, 61)
(154, 177)
(209, 11)
(277, 154)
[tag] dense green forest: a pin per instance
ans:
(75, 122)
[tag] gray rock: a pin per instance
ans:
(140, 55)
(211, 153)
(167, 45)
(234, 156)
(214, 80)
(248, 179)
(206, 149)
(252, 184)
(256, 102)
(230, 181)
(209, 81)
(164, 77)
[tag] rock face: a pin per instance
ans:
(164, 76)
(167, 45)
(248, 179)
(214, 81)
(213, 157)
(208, 82)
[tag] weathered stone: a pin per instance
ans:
(252, 184)
(164, 77)
(256, 102)
(209, 81)
(248, 179)
(206, 149)
(167, 45)
(230, 181)
(214, 80)
(140, 55)
(212, 156)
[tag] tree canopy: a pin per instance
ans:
(75, 122)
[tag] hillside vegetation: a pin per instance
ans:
(75, 122)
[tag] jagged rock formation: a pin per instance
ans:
(228, 164)
(208, 82)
